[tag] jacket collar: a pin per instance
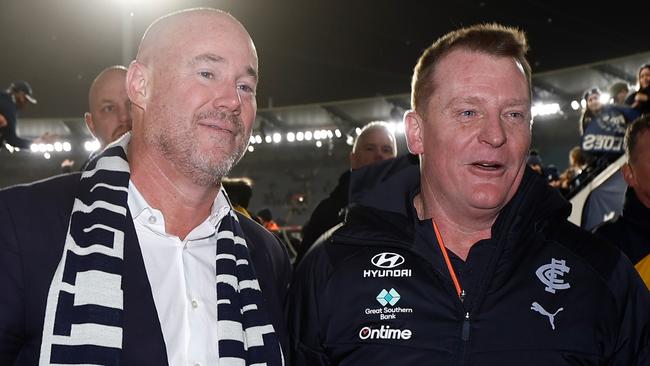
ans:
(381, 197)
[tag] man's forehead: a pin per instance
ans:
(184, 29)
(109, 82)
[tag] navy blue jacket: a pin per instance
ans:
(33, 224)
(630, 231)
(541, 291)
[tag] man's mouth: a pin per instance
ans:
(488, 165)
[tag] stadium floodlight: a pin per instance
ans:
(542, 109)
(575, 105)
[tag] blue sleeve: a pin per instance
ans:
(630, 114)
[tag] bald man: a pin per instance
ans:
(140, 259)
(109, 115)
(375, 143)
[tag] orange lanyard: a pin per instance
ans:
(443, 249)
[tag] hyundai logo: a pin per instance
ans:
(387, 260)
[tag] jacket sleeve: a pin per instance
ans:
(633, 342)
(12, 139)
(303, 312)
(12, 313)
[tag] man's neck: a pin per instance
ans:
(184, 204)
(459, 233)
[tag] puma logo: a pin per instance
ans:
(551, 317)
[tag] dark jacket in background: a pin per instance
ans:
(643, 107)
(8, 133)
(631, 232)
(329, 213)
(33, 225)
(541, 291)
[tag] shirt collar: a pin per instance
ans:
(138, 205)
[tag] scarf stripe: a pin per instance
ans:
(84, 312)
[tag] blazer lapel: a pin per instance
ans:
(143, 342)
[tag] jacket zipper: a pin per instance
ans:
(465, 333)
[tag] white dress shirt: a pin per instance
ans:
(182, 274)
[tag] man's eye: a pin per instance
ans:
(468, 113)
(246, 89)
(516, 115)
(206, 74)
(108, 108)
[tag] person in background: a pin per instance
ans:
(265, 218)
(109, 115)
(639, 99)
(17, 97)
(619, 92)
(140, 259)
(631, 230)
(240, 191)
(468, 257)
(109, 110)
(577, 163)
(374, 143)
(602, 127)
(535, 162)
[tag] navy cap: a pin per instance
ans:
(534, 159)
(24, 87)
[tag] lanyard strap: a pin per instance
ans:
(443, 249)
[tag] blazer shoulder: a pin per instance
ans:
(58, 190)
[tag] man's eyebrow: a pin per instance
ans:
(465, 99)
(207, 57)
(250, 71)
(213, 58)
(475, 100)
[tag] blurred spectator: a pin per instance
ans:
(67, 166)
(619, 92)
(110, 108)
(266, 219)
(631, 230)
(240, 191)
(552, 176)
(17, 96)
(109, 115)
(535, 162)
(603, 126)
(375, 143)
(639, 99)
(577, 163)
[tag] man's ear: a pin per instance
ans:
(628, 175)
(136, 84)
(353, 160)
(88, 117)
(413, 128)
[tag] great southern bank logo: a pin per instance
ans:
(388, 297)
(388, 262)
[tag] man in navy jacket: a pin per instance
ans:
(466, 259)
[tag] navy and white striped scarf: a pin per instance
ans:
(83, 319)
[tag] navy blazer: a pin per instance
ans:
(33, 225)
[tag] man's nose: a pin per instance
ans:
(227, 97)
(492, 131)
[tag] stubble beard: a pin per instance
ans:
(178, 143)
